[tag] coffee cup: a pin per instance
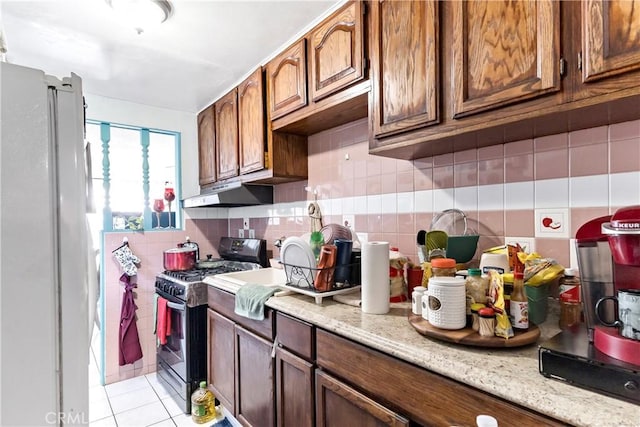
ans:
(628, 312)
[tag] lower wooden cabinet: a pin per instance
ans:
(255, 404)
(221, 359)
(294, 390)
(337, 405)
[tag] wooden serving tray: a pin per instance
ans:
(468, 336)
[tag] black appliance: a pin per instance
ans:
(181, 363)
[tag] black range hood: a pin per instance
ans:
(232, 195)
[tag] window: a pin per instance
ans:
(131, 168)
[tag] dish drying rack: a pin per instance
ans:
(302, 280)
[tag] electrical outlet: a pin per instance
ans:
(241, 233)
(528, 244)
(245, 223)
(252, 233)
(349, 221)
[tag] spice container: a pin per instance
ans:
(486, 321)
(476, 288)
(443, 267)
(569, 299)
(475, 325)
(416, 300)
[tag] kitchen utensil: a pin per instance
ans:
(628, 312)
(331, 232)
(325, 275)
(436, 244)
(343, 257)
(179, 259)
(421, 239)
(462, 241)
(462, 248)
(298, 260)
(210, 262)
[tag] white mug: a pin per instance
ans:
(628, 313)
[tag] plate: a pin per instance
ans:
(468, 336)
(298, 260)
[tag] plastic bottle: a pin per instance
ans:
(203, 406)
(316, 241)
(519, 307)
(570, 304)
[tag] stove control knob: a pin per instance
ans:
(631, 385)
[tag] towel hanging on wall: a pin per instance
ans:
(316, 216)
(130, 349)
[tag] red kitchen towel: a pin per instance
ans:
(163, 326)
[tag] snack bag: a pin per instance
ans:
(496, 301)
(538, 270)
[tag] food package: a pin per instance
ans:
(397, 284)
(538, 270)
(512, 254)
(496, 301)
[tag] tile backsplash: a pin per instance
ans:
(589, 173)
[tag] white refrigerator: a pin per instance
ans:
(44, 270)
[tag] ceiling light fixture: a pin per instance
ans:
(142, 14)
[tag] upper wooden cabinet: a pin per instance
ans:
(610, 38)
(207, 145)
(503, 52)
(287, 80)
(227, 135)
(251, 123)
(336, 51)
(405, 65)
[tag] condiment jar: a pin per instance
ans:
(416, 300)
(447, 303)
(443, 267)
(486, 320)
(475, 307)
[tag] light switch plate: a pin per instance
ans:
(252, 233)
(553, 223)
(241, 233)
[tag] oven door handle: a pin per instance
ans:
(174, 306)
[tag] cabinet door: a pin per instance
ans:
(336, 52)
(337, 402)
(207, 146)
(227, 135)
(404, 56)
(611, 38)
(254, 383)
(287, 80)
(221, 358)
(294, 390)
(503, 52)
(251, 123)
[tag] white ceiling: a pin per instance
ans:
(203, 50)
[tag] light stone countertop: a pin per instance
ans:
(509, 373)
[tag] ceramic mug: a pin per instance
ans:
(628, 313)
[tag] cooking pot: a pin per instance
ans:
(179, 259)
(210, 262)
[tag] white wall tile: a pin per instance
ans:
(443, 199)
(336, 206)
(552, 193)
(518, 195)
(325, 206)
(389, 203)
(406, 202)
(491, 197)
(624, 189)
(374, 204)
(360, 205)
(347, 205)
(423, 201)
(589, 191)
(466, 198)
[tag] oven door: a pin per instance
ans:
(174, 353)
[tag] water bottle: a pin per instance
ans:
(203, 406)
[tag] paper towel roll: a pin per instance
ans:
(375, 277)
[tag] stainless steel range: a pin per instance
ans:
(181, 362)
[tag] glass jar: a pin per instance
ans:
(475, 322)
(487, 319)
(443, 267)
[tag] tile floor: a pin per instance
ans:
(139, 401)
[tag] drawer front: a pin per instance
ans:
(224, 303)
(427, 398)
(296, 335)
